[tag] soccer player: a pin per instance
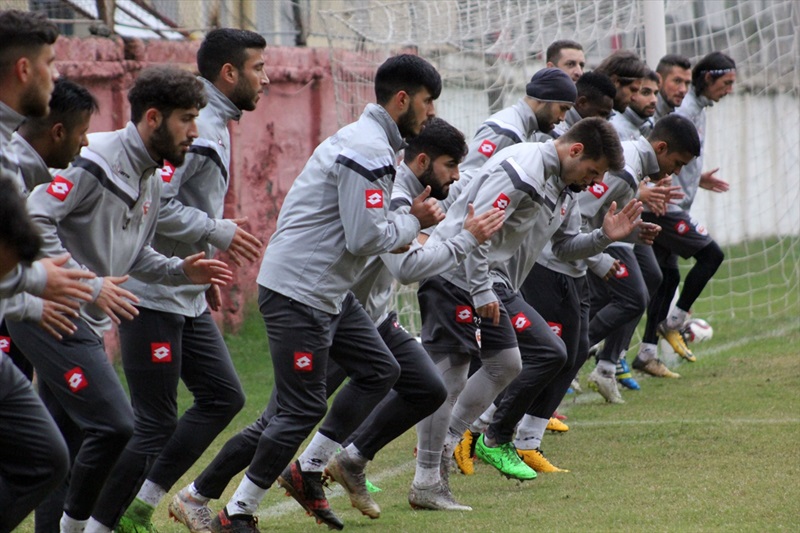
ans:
(712, 79)
(626, 71)
(567, 56)
(103, 209)
(595, 98)
(676, 76)
(637, 119)
(337, 208)
(174, 336)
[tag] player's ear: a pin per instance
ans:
(576, 149)
(58, 132)
(661, 147)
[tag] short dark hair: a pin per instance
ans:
(436, 139)
(67, 103)
(23, 33)
(166, 89)
(17, 230)
(652, 75)
(595, 85)
(226, 45)
(716, 64)
(406, 72)
(623, 64)
(672, 60)
(599, 140)
(553, 53)
(678, 132)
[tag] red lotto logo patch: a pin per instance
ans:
(161, 352)
(598, 189)
(5, 344)
(487, 148)
(622, 272)
(167, 171)
(303, 362)
(682, 227)
(75, 379)
(463, 314)
(60, 187)
(556, 328)
(374, 198)
(520, 322)
(502, 202)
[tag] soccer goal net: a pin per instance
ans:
(486, 50)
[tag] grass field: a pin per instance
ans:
(717, 450)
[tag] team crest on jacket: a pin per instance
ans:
(556, 328)
(682, 227)
(520, 322)
(502, 202)
(76, 380)
(5, 344)
(598, 189)
(374, 198)
(622, 271)
(303, 362)
(463, 314)
(167, 171)
(487, 148)
(60, 188)
(161, 352)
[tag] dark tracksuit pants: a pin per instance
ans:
(160, 349)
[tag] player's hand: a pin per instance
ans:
(648, 232)
(56, 319)
(617, 226)
(615, 266)
(675, 192)
(201, 271)
(653, 197)
(484, 225)
(214, 298)
(712, 183)
(244, 246)
(65, 285)
(491, 310)
(115, 301)
(428, 213)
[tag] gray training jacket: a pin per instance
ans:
(693, 107)
(336, 215)
(630, 125)
(192, 201)
(103, 210)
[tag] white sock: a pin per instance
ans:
(93, 526)
(246, 498)
(356, 456)
(426, 477)
(647, 352)
(676, 318)
(483, 421)
(530, 432)
(192, 490)
(151, 493)
(606, 368)
(70, 525)
(450, 443)
(318, 453)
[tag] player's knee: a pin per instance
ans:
(118, 432)
(712, 256)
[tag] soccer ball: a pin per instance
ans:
(697, 330)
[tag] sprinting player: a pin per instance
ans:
(567, 56)
(174, 337)
(530, 183)
(626, 71)
(676, 76)
(308, 310)
(101, 215)
(712, 79)
(637, 119)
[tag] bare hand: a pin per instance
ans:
(615, 266)
(484, 225)
(214, 298)
(115, 301)
(653, 197)
(648, 232)
(491, 310)
(201, 271)
(64, 285)
(617, 226)
(56, 319)
(711, 183)
(428, 213)
(675, 191)
(244, 245)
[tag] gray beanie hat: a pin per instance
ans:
(552, 85)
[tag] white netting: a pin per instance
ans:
(486, 50)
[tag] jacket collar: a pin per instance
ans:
(648, 157)
(134, 148)
(528, 118)
(381, 116)
(9, 122)
(218, 101)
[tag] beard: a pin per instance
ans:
(166, 147)
(243, 96)
(35, 105)
(407, 124)
(577, 188)
(437, 190)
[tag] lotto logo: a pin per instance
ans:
(5, 344)
(167, 171)
(598, 189)
(463, 314)
(556, 328)
(563, 209)
(682, 227)
(303, 362)
(60, 187)
(502, 202)
(161, 352)
(622, 271)
(76, 380)
(487, 148)
(520, 322)
(374, 198)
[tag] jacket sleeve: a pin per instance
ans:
(569, 244)
(364, 186)
(153, 267)
(23, 278)
(431, 259)
(25, 306)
